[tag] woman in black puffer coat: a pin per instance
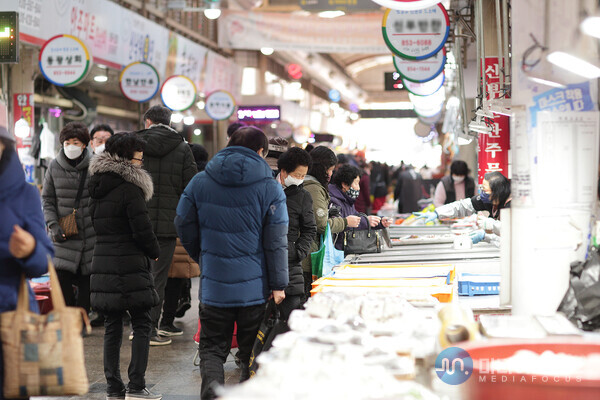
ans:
(293, 166)
(121, 275)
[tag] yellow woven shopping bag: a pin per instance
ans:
(43, 354)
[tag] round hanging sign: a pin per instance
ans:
(284, 130)
(64, 60)
(139, 81)
(416, 34)
(426, 88)
(421, 70)
(434, 119)
(406, 4)
(220, 105)
(178, 93)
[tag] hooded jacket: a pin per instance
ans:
(301, 233)
(320, 198)
(233, 215)
(169, 160)
(58, 197)
(19, 205)
(121, 274)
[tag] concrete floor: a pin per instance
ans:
(170, 371)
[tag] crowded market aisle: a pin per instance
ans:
(170, 368)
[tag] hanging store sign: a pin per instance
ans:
(493, 147)
(220, 105)
(426, 88)
(258, 113)
(406, 5)
(421, 70)
(418, 34)
(178, 93)
(139, 81)
(23, 108)
(64, 60)
(284, 130)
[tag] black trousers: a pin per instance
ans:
(141, 324)
(82, 282)
(160, 272)
(307, 284)
(215, 342)
(172, 295)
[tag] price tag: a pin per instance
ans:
(416, 34)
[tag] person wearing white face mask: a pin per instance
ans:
(293, 167)
(100, 134)
(65, 191)
(457, 186)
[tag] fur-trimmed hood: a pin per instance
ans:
(108, 163)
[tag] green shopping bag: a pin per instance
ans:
(323, 261)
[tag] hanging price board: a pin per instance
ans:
(426, 88)
(421, 70)
(64, 60)
(416, 34)
(220, 105)
(139, 81)
(178, 93)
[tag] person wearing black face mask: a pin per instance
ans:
(344, 190)
(494, 195)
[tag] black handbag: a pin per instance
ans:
(270, 327)
(361, 241)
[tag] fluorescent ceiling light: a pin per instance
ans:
(101, 78)
(574, 64)
(189, 120)
(591, 26)
(267, 51)
(331, 14)
(547, 82)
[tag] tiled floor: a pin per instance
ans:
(170, 368)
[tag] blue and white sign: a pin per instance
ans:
(575, 97)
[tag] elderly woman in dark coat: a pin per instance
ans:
(73, 260)
(121, 275)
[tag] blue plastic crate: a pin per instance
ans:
(478, 284)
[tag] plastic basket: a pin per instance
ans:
(476, 284)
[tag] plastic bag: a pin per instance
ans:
(581, 303)
(323, 261)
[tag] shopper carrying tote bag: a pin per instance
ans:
(43, 353)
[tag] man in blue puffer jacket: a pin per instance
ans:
(234, 216)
